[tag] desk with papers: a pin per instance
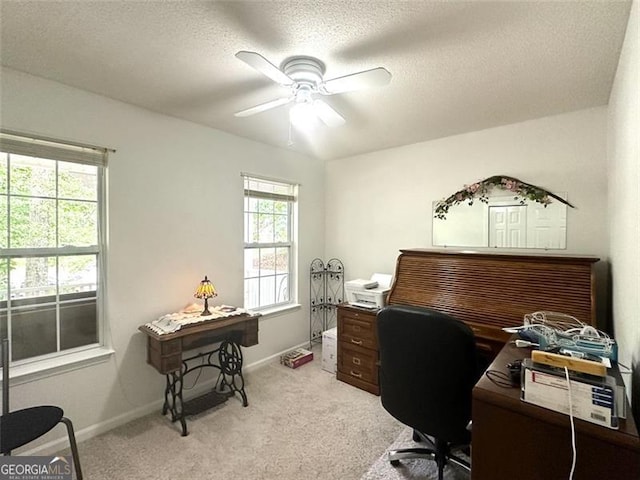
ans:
(514, 439)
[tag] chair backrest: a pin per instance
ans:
(428, 367)
(4, 359)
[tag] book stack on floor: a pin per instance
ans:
(596, 396)
(296, 358)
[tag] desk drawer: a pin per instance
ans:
(358, 332)
(164, 363)
(359, 363)
(172, 346)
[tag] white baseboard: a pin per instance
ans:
(99, 428)
(91, 431)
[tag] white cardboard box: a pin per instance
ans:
(329, 349)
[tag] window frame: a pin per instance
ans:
(16, 143)
(291, 198)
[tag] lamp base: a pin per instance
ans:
(206, 311)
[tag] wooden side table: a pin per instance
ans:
(166, 353)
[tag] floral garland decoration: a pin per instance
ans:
(480, 190)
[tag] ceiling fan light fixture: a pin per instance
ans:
(305, 77)
(302, 115)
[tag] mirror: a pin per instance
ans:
(523, 216)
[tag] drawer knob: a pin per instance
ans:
(356, 360)
(355, 374)
(357, 342)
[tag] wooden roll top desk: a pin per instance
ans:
(489, 291)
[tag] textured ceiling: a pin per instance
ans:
(456, 66)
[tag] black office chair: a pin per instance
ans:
(428, 367)
(23, 426)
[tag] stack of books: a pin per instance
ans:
(595, 396)
(297, 357)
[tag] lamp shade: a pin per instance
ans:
(205, 289)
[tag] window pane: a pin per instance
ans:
(78, 223)
(265, 226)
(282, 260)
(32, 176)
(281, 228)
(4, 215)
(4, 331)
(267, 290)
(252, 293)
(252, 227)
(3, 172)
(267, 261)
(32, 223)
(265, 206)
(281, 207)
(33, 331)
(282, 288)
(252, 204)
(32, 277)
(251, 262)
(78, 323)
(77, 181)
(4, 281)
(77, 273)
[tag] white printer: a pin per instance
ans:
(368, 293)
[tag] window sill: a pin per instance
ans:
(46, 368)
(280, 310)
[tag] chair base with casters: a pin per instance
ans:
(440, 452)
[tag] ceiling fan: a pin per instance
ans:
(304, 77)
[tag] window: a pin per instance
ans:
(51, 247)
(268, 242)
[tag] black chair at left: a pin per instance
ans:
(428, 367)
(20, 427)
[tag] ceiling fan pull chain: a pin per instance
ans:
(290, 141)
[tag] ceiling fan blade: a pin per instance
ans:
(264, 66)
(262, 107)
(376, 77)
(327, 114)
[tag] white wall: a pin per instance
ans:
(624, 201)
(381, 202)
(175, 214)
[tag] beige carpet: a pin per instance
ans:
(300, 424)
(412, 469)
